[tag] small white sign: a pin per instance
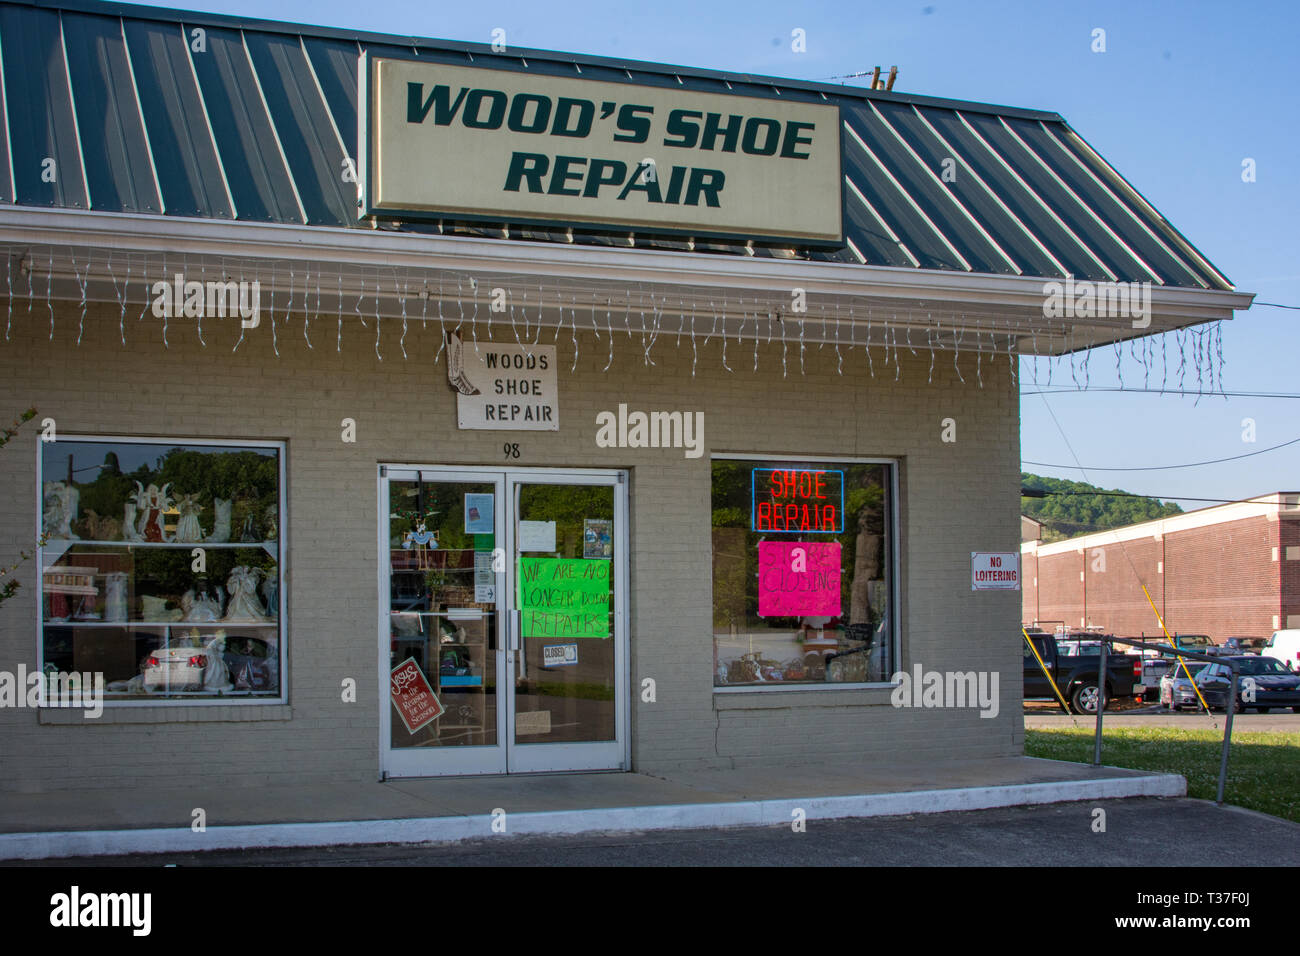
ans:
(559, 655)
(994, 571)
(503, 387)
(485, 580)
(537, 536)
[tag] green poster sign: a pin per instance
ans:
(564, 597)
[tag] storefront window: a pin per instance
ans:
(802, 573)
(162, 567)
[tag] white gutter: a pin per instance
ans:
(378, 248)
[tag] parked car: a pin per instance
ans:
(171, 669)
(1285, 646)
(1154, 669)
(1194, 642)
(1076, 675)
(1275, 686)
(1244, 645)
(1176, 691)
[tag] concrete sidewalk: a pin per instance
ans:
(91, 823)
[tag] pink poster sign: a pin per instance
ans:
(798, 578)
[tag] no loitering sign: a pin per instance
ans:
(994, 571)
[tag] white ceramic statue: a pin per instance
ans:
(188, 528)
(129, 530)
(221, 521)
(272, 521)
(61, 501)
(115, 596)
(203, 608)
(217, 675)
(244, 605)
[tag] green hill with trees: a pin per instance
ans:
(1072, 508)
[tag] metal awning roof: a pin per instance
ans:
(257, 128)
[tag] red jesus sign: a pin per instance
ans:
(412, 696)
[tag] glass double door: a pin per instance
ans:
(503, 632)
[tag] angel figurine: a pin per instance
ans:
(187, 527)
(244, 605)
(151, 504)
(61, 500)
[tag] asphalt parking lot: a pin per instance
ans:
(1137, 833)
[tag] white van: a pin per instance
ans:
(1285, 646)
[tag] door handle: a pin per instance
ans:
(516, 628)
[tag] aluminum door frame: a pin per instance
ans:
(433, 761)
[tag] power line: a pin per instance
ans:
(1160, 391)
(1190, 464)
(1275, 305)
(1043, 493)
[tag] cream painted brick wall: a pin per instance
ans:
(955, 498)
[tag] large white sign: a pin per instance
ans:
(462, 142)
(503, 387)
(994, 571)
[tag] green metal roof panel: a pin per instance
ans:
(185, 156)
(246, 140)
(119, 168)
(39, 102)
(258, 124)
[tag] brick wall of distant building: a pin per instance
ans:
(1113, 579)
(1288, 568)
(1235, 577)
(1222, 580)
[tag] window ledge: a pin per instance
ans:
(864, 695)
(168, 715)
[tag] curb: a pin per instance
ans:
(76, 843)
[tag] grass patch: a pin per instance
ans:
(1263, 767)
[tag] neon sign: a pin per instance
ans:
(797, 501)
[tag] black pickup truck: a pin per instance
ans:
(1076, 675)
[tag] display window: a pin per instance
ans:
(162, 567)
(803, 575)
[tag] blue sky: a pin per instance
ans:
(1184, 92)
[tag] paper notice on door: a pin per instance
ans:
(533, 722)
(485, 579)
(537, 536)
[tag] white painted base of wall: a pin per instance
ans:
(48, 845)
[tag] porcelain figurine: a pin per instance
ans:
(100, 529)
(202, 607)
(152, 503)
(129, 518)
(154, 609)
(221, 521)
(244, 605)
(216, 677)
(272, 521)
(249, 533)
(271, 595)
(188, 528)
(115, 596)
(61, 500)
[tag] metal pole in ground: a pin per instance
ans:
(1230, 705)
(1101, 705)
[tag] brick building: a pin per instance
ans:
(1231, 570)
(302, 543)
